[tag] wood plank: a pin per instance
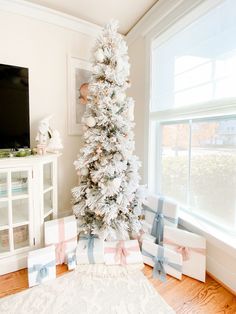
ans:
(187, 296)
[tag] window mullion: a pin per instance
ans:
(189, 163)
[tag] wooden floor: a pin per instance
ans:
(186, 296)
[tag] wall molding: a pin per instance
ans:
(221, 274)
(47, 15)
(162, 16)
(221, 283)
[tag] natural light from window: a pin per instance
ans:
(193, 156)
(199, 63)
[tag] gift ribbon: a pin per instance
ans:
(159, 262)
(61, 245)
(71, 259)
(158, 223)
(121, 252)
(90, 239)
(42, 270)
(184, 250)
(170, 219)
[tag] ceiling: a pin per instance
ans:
(128, 12)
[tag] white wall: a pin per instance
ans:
(221, 256)
(44, 48)
(137, 78)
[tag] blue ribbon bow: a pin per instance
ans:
(170, 219)
(90, 239)
(71, 259)
(42, 270)
(158, 223)
(159, 264)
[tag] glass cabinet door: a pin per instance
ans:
(15, 209)
(3, 185)
(49, 198)
(4, 213)
(19, 183)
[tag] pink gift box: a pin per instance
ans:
(193, 249)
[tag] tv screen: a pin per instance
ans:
(14, 107)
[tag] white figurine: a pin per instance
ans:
(55, 143)
(43, 135)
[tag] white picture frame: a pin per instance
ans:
(79, 72)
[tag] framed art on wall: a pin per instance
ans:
(79, 72)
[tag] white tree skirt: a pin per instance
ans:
(96, 289)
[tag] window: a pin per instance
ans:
(192, 156)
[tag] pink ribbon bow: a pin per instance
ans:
(121, 252)
(184, 250)
(61, 245)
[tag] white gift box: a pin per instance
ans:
(63, 234)
(90, 251)
(71, 260)
(169, 208)
(172, 261)
(122, 252)
(41, 265)
(148, 237)
(193, 249)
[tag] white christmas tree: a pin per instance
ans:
(108, 200)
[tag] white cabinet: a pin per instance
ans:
(28, 198)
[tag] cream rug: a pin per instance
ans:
(94, 289)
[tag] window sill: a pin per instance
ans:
(214, 236)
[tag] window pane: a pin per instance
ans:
(197, 64)
(174, 161)
(213, 171)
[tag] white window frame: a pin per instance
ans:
(212, 109)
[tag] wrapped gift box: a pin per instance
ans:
(158, 212)
(71, 260)
(148, 237)
(90, 250)
(63, 234)
(193, 249)
(163, 260)
(41, 265)
(166, 206)
(122, 252)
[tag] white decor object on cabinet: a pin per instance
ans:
(28, 198)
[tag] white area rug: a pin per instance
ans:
(93, 289)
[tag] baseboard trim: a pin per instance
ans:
(221, 283)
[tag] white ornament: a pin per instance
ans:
(91, 122)
(99, 55)
(84, 172)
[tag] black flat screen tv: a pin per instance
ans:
(14, 107)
